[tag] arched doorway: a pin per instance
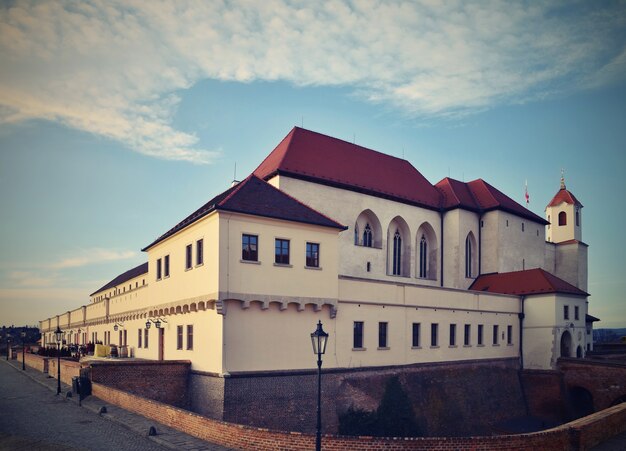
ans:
(582, 402)
(566, 344)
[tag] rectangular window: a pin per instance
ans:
(188, 254)
(509, 335)
(357, 341)
(179, 337)
(467, 336)
(566, 312)
(480, 334)
(249, 250)
(416, 335)
(434, 334)
(382, 335)
(139, 338)
(199, 252)
(313, 255)
(166, 266)
(145, 338)
(281, 255)
(158, 269)
(495, 334)
(189, 337)
(576, 312)
(452, 334)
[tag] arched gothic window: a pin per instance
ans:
(423, 256)
(367, 236)
(468, 257)
(562, 218)
(397, 254)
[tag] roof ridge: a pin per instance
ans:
(287, 137)
(298, 201)
(232, 193)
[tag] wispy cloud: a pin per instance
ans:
(112, 68)
(92, 256)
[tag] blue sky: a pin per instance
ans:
(117, 119)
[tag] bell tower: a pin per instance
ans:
(564, 237)
(564, 213)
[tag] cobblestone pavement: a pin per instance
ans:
(33, 417)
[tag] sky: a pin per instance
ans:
(119, 118)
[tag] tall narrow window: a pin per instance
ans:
(158, 269)
(397, 253)
(281, 255)
(367, 236)
(189, 337)
(577, 217)
(468, 257)
(313, 255)
(509, 335)
(562, 218)
(566, 312)
(416, 335)
(480, 335)
(382, 335)
(188, 254)
(145, 338)
(179, 337)
(434, 334)
(495, 334)
(423, 256)
(166, 266)
(356, 234)
(249, 248)
(576, 312)
(199, 252)
(139, 338)
(452, 334)
(467, 335)
(357, 342)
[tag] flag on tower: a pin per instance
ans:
(526, 193)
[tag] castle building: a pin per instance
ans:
(400, 271)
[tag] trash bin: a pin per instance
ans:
(85, 387)
(75, 385)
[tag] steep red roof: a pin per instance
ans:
(256, 197)
(479, 195)
(530, 281)
(563, 195)
(312, 156)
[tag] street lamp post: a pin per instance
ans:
(8, 345)
(58, 334)
(319, 338)
(23, 350)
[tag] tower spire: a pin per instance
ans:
(562, 178)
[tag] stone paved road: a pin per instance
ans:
(34, 418)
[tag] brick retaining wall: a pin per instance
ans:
(580, 434)
(69, 369)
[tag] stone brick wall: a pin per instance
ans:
(164, 381)
(450, 399)
(206, 394)
(38, 362)
(581, 434)
(545, 394)
(606, 381)
(69, 369)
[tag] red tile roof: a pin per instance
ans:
(530, 281)
(564, 195)
(124, 277)
(479, 195)
(256, 197)
(312, 156)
